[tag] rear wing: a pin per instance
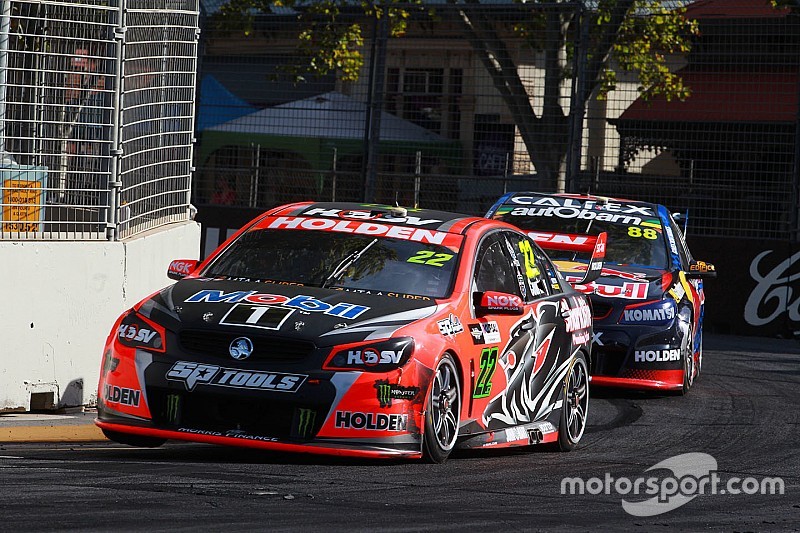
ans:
(594, 244)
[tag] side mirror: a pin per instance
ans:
(180, 268)
(595, 267)
(498, 303)
(701, 269)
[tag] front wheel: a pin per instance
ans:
(443, 412)
(575, 406)
(687, 354)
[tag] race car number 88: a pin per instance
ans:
(637, 232)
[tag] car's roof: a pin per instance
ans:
(429, 219)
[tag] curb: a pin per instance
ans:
(65, 433)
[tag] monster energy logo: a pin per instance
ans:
(384, 393)
(305, 422)
(388, 392)
(174, 408)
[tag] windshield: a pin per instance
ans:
(328, 259)
(636, 241)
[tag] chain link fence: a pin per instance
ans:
(476, 99)
(96, 116)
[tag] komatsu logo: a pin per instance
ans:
(649, 315)
(371, 421)
(653, 356)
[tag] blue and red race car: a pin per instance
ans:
(358, 330)
(648, 304)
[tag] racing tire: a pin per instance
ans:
(575, 406)
(687, 355)
(443, 412)
(133, 440)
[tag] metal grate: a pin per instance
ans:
(264, 347)
(96, 108)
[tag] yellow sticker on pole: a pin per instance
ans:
(22, 205)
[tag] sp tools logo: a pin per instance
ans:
(192, 374)
(388, 392)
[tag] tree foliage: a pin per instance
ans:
(625, 35)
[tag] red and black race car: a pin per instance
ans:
(358, 330)
(648, 303)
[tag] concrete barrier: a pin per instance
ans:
(59, 301)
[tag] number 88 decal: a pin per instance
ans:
(637, 232)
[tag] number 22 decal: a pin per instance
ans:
(427, 257)
(488, 363)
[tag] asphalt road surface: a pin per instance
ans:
(743, 413)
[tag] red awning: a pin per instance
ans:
(726, 97)
(707, 9)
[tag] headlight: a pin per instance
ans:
(135, 331)
(379, 356)
(654, 313)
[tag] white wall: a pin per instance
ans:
(60, 299)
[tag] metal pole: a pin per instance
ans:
(113, 219)
(333, 175)
(794, 230)
(5, 27)
(577, 107)
(375, 106)
(417, 177)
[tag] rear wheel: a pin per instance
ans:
(133, 440)
(575, 406)
(443, 412)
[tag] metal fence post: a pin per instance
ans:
(113, 219)
(5, 26)
(579, 97)
(333, 175)
(417, 177)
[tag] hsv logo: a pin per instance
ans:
(134, 332)
(301, 302)
(379, 357)
(371, 357)
(193, 374)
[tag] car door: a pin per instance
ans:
(520, 344)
